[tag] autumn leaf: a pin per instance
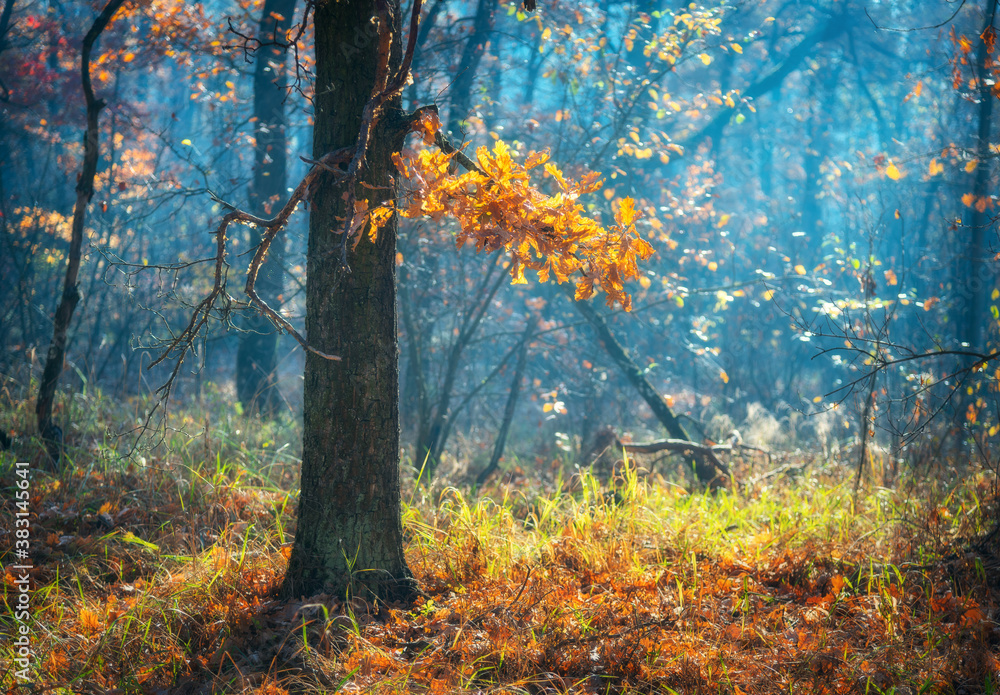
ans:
(890, 277)
(968, 199)
(935, 168)
(893, 172)
(626, 212)
(800, 269)
(500, 207)
(89, 621)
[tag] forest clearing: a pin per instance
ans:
(499, 346)
(162, 578)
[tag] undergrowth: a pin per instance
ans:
(158, 574)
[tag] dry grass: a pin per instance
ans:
(160, 578)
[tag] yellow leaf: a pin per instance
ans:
(645, 282)
(968, 199)
(893, 172)
(185, 141)
(128, 57)
(723, 220)
(736, 47)
(817, 399)
(723, 376)
(713, 266)
(935, 167)
(971, 166)
(995, 294)
(626, 212)
(547, 407)
(800, 269)
(768, 295)
(705, 58)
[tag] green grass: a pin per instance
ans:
(160, 570)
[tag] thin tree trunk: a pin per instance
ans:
(349, 535)
(980, 279)
(472, 54)
(415, 391)
(257, 353)
(431, 449)
(704, 470)
(508, 411)
(71, 294)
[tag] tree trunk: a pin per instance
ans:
(704, 470)
(508, 411)
(71, 294)
(257, 354)
(981, 279)
(472, 54)
(431, 448)
(349, 536)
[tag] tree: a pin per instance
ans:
(84, 191)
(257, 354)
(349, 537)
(349, 534)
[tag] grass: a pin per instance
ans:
(158, 575)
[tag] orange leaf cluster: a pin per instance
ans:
(501, 207)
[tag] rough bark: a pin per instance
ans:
(257, 354)
(348, 538)
(84, 191)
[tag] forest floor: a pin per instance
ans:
(159, 576)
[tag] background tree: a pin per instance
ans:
(84, 191)
(257, 353)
